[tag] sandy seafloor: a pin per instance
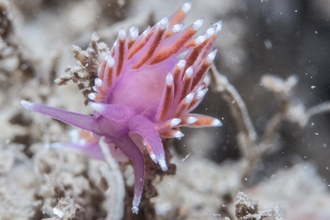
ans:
(277, 37)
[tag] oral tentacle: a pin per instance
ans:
(84, 122)
(129, 148)
(146, 129)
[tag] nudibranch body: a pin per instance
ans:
(145, 92)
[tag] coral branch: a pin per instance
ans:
(88, 62)
(315, 110)
(247, 209)
(287, 110)
(282, 90)
(239, 110)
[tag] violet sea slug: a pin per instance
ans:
(145, 89)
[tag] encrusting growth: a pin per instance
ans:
(143, 92)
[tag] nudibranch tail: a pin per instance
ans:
(83, 141)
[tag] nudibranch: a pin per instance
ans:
(146, 87)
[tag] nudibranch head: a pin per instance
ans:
(145, 89)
